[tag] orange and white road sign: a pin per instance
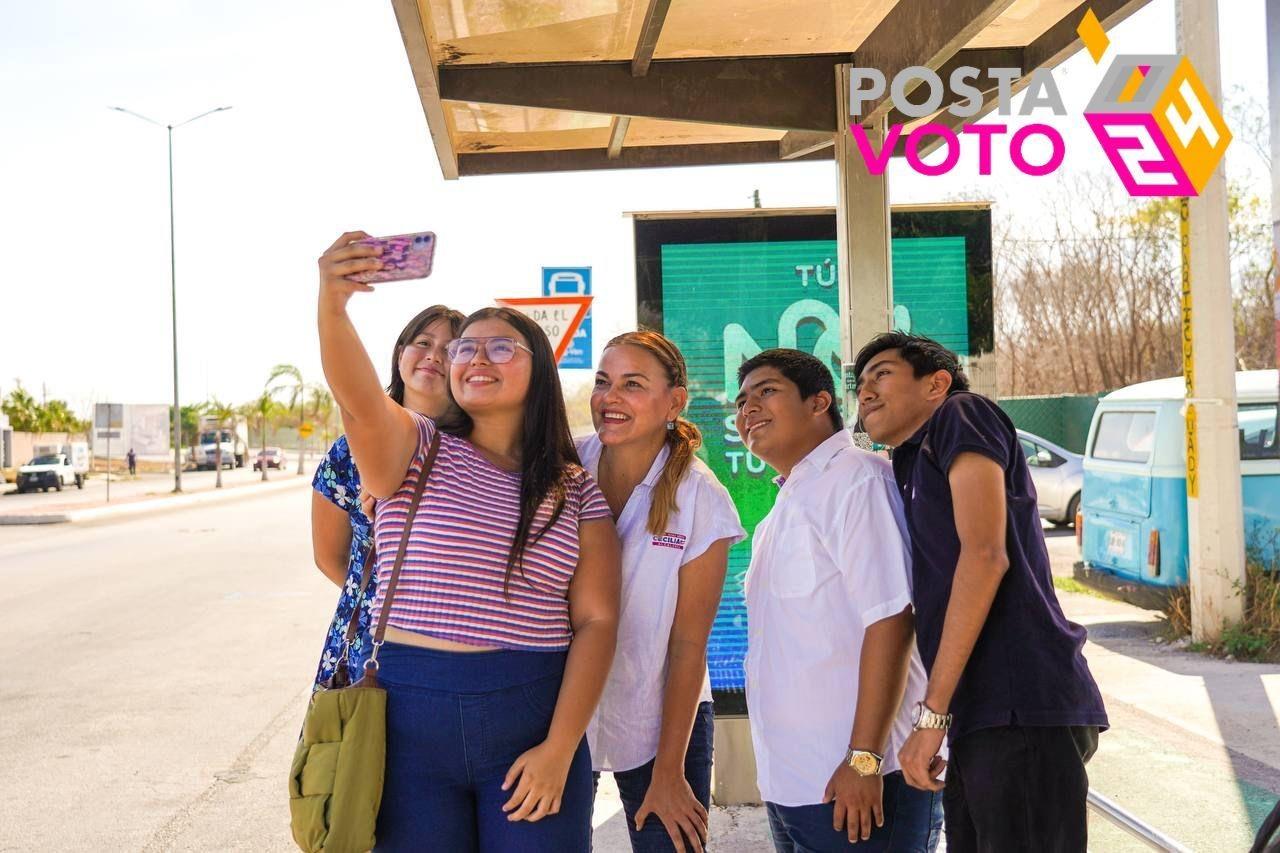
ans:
(559, 316)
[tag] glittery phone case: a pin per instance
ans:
(403, 257)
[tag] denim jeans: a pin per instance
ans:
(633, 785)
(456, 722)
(912, 824)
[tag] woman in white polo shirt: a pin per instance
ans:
(653, 727)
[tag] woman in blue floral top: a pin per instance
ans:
(341, 523)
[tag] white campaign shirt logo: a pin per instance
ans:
(670, 540)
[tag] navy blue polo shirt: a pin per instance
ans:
(1027, 667)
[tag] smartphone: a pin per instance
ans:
(404, 256)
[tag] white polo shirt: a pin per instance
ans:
(624, 732)
(830, 559)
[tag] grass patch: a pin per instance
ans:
(1072, 585)
(1257, 636)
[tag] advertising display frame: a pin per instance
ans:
(713, 231)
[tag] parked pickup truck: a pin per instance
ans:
(232, 438)
(53, 469)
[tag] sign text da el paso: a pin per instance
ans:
(918, 92)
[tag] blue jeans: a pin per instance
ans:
(633, 785)
(456, 722)
(912, 824)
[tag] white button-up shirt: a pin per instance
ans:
(828, 561)
(624, 732)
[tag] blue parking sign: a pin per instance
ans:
(572, 281)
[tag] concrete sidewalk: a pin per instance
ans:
(131, 497)
(1193, 749)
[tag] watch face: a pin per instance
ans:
(865, 764)
(916, 713)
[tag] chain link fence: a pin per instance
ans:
(1062, 419)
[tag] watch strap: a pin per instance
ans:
(927, 718)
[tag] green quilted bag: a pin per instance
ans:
(335, 783)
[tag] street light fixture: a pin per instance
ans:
(173, 289)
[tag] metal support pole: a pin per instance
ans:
(173, 288)
(1273, 101)
(862, 243)
(173, 301)
(1214, 512)
(1148, 835)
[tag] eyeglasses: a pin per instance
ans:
(498, 350)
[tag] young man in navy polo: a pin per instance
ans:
(1008, 684)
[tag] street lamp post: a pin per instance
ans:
(173, 289)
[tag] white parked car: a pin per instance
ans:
(50, 471)
(1059, 476)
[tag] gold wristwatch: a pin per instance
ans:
(924, 718)
(863, 762)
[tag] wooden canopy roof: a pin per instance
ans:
(511, 86)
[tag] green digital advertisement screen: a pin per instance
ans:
(725, 288)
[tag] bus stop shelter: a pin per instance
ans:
(569, 85)
(561, 85)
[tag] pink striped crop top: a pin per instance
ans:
(451, 586)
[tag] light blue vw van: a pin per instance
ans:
(1134, 503)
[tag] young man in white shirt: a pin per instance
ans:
(830, 641)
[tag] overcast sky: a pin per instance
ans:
(326, 134)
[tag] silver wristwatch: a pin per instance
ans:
(923, 718)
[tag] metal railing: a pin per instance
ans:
(1149, 835)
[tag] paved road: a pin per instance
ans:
(157, 669)
(153, 664)
(127, 489)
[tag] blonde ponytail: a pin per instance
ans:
(684, 440)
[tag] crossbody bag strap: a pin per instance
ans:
(372, 663)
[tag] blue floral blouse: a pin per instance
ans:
(338, 480)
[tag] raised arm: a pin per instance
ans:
(382, 435)
(593, 612)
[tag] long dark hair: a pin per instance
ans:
(415, 327)
(546, 445)
(683, 437)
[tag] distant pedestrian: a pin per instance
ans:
(132, 459)
(1008, 684)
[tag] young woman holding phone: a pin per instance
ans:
(341, 523)
(503, 626)
(654, 726)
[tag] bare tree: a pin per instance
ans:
(1092, 303)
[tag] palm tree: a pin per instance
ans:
(266, 410)
(223, 414)
(288, 379)
(189, 425)
(321, 407)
